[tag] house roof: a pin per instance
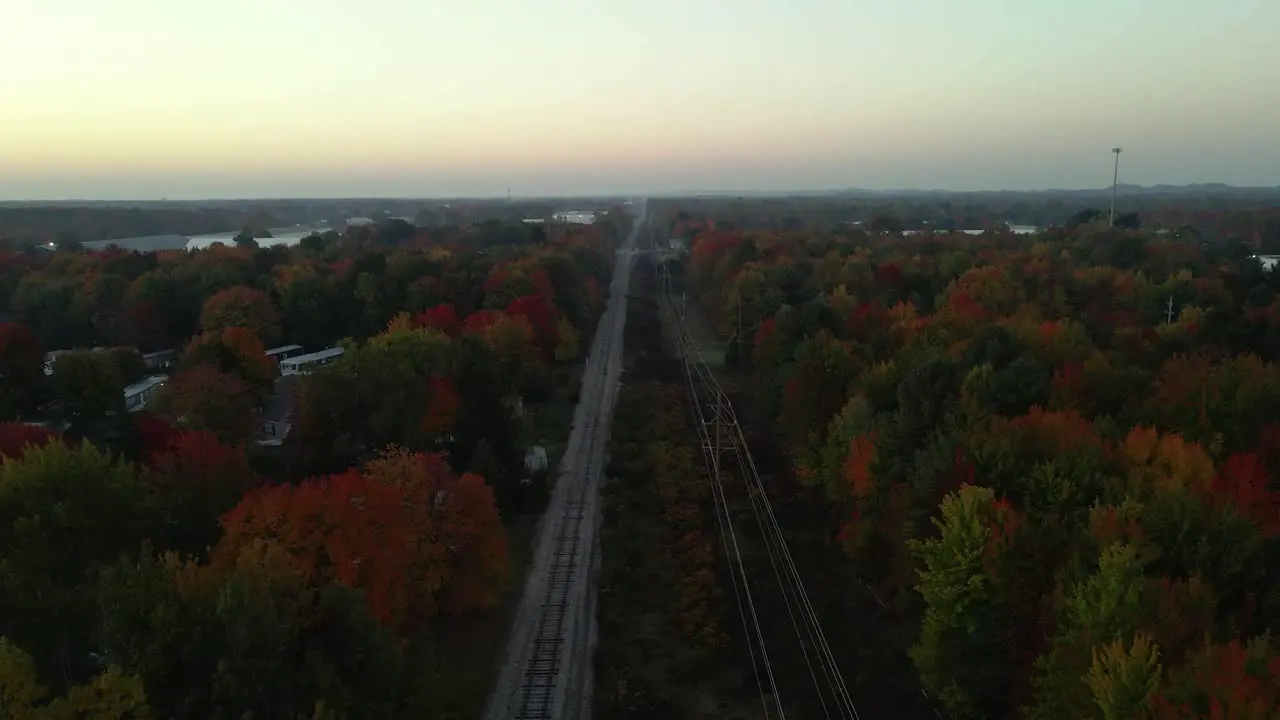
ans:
(318, 355)
(145, 384)
(148, 243)
(282, 348)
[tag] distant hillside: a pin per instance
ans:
(1198, 190)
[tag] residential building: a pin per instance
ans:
(284, 352)
(137, 395)
(303, 364)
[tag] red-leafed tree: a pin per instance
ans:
(155, 434)
(242, 307)
(541, 314)
(195, 480)
(442, 317)
(417, 539)
(443, 403)
(21, 371)
(16, 437)
(1242, 481)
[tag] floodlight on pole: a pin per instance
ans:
(1115, 180)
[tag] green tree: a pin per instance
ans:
(349, 410)
(245, 239)
(63, 512)
(1097, 610)
(959, 654)
(89, 389)
(204, 638)
(1124, 677)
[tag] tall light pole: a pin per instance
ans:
(1115, 179)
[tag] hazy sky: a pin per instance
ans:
(236, 98)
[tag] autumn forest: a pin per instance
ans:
(1053, 458)
(1022, 474)
(178, 562)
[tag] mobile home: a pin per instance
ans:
(284, 352)
(137, 395)
(303, 364)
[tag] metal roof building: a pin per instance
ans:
(148, 243)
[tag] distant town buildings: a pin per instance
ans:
(579, 217)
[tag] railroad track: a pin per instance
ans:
(554, 628)
(548, 672)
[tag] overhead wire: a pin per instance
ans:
(736, 568)
(795, 596)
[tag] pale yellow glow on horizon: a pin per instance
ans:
(924, 92)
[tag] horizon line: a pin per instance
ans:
(764, 192)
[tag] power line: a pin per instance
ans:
(729, 542)
(794, 595)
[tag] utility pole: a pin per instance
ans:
(1115, 180)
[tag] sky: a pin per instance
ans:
(185, 99)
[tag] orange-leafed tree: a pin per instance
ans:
(242, 307)
(1165, 462)
(195, 481)
(232, 350)
(462, 545)
(347, 528)
(208, 399)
